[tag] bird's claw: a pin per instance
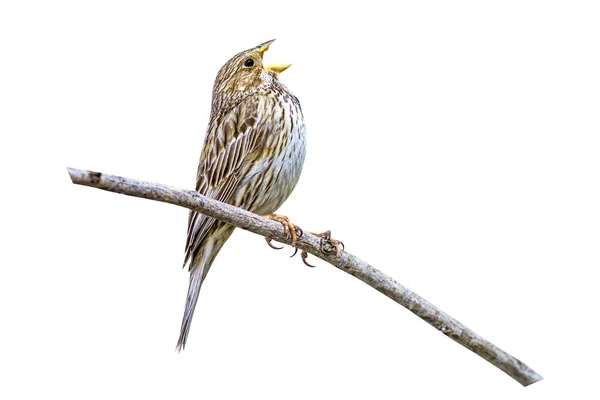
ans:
(304, 256)
(271, 245)
(292, 231)
(329, 245)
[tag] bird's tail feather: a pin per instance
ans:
(197, 274)
(200, 264)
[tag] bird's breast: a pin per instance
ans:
(274, 175)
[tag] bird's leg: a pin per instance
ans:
(292, 230)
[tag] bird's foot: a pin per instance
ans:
(328, 246)
(292, 230)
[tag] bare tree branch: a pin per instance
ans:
(321, 248)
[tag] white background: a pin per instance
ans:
(454, 145)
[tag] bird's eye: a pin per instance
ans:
(249, 63)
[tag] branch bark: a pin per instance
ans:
(319, 248)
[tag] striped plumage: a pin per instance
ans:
(252, 157)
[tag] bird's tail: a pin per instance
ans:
(197, 274)
(200, 264)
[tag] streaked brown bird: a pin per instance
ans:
(252, 158)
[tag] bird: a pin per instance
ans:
(252, 157)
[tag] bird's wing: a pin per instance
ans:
(231, 138)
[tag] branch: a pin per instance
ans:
(319, 248)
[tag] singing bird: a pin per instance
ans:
(252, 157)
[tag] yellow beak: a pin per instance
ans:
(275, 67)
(264, 47)
(278, 67)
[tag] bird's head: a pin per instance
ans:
(245, 72)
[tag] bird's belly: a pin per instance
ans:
(276, 176)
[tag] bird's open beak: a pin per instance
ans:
(278, 67)
(274, 67)
(264, 47)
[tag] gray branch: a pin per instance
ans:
(318, 247)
